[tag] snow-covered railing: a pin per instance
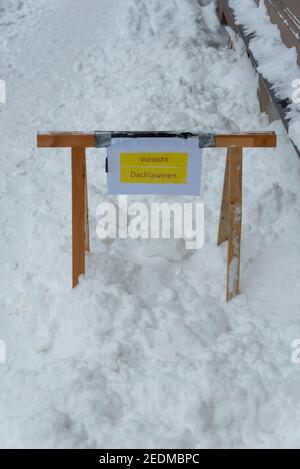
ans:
(286, 14)
(276, 64)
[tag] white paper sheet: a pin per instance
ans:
(142, 146)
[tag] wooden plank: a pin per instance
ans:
(66, 139)
(223, 223)
(247, 140)
(78, 212)
(80, 139)
(234, 222)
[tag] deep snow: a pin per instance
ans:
(145, 352)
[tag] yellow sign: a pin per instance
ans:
(154, 168)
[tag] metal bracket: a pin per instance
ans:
(207, 140)
(103, 139)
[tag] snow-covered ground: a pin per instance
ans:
(145, 352)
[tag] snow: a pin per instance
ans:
(145, 352)
(233, 276)
(276, 62)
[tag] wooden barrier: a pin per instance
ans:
(230, 224)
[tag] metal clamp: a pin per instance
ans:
(207, 140)
(103, 139)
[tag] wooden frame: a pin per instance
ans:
(230, 224)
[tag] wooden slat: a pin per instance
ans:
(247, 140)
(85, 140)
(65, 139)
(234, 222)
(223, 223)
(78, 212)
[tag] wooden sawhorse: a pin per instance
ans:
(230, 224)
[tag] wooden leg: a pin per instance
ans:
(86, 208)
(78, 212)
(223, 223)
(234, 221)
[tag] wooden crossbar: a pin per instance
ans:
(88, 140)
(230, 224)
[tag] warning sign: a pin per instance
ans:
(154, 166)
